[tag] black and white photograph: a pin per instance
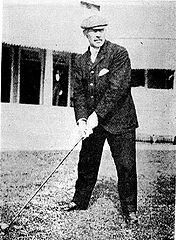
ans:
(88, 120)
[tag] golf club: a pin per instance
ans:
(5, 227)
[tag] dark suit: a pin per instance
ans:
(110, 97)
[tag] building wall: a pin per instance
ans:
(156, 112)
(146, 30)
(30, 127)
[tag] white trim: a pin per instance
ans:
(48, 81)
(69, 82)
(42, 57)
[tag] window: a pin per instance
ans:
(22, 74)
(137, 77)
(30, 74)
(6, 62)
(160, 78)
(73, 57)
(60, 78)
(153, 78)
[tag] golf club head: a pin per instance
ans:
(4, 227)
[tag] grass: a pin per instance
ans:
(23, 172)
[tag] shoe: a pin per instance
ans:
(72, 206)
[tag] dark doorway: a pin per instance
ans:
(60, 79)
(30, 72)
(6, 60)
(160, 78)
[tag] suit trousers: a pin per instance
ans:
(123, 151)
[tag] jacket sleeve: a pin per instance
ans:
(80, 106)
(119, 84)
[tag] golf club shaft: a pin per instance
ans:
(44, 182)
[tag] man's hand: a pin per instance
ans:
(84, 131)
(92, 122)
(82, 126)
(86, 126)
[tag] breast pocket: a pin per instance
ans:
(103, 71)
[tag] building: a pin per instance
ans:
(40, 41)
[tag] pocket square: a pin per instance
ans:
(103, 72)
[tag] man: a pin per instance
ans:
(104, 109)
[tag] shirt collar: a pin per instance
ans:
(94, 51)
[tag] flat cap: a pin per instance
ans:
(94, 21)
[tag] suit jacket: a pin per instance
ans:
(105, 87)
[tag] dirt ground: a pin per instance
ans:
(22, 172)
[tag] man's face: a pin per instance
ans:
(96, 36)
